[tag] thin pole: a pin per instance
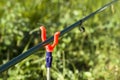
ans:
(37, 47)
(48, 74)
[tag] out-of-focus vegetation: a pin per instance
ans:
(91, 55)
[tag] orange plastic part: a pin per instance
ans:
(49, 47)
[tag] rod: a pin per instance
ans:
(30, 51)
(48, 74)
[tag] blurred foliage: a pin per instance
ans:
(92, 55)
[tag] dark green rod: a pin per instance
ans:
(37, 47)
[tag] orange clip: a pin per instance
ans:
(49, 47)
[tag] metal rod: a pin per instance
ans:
(48, 74)
(99, 10)
(37, 47)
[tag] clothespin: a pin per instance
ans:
(49, 49)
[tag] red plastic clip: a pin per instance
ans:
(49, 47)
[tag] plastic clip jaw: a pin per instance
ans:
(49, 47)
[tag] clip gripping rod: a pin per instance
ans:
(37, 47)
(49, 49)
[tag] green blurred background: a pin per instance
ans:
(91, 55)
